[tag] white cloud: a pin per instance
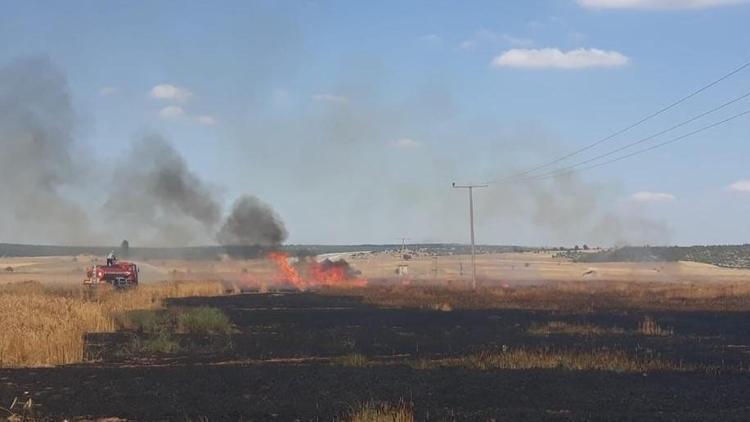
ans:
(170, 92)
(206, 120)
(331, 98)
(106, 91)
(657, 4)
(430, 38)
(171, 112)
(468, 45)
(739, 186)
(406, 143)
(555, 58)
(652, 197)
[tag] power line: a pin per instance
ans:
(643, 150)
(640, 141)
(631, 126)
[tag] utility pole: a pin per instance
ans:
(403, 245)
(471, 225)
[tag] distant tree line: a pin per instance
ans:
(730, 256)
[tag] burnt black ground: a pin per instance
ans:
(236, 384)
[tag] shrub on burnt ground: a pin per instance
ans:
(382, 412)
(566, 328)
(161, 343)
(203, 320)
(200, 321)
(156, 331)
(356, 360)
(145, 321)
(649, 327)
(522, 359)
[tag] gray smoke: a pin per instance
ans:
(156, 198)
(153, 197)
(37, 159)
(252, 223)
(379, 192)
(563, 210)
(576, 211)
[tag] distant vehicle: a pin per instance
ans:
(118, 274)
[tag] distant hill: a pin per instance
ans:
(214, 252)
(729, 256)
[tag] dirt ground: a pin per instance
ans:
(281, 366)
(492, 269)
(533, 268)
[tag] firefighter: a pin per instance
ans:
(111, 258)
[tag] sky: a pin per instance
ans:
(351, 119)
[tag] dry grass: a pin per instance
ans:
(649, 327)
(579, 297)
(356, 360)
(20, 411)
(596, 360)
(372, 412)
(45, 326)
(566, 328)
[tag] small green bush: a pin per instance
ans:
(160, 343)
(203, 320)
(145, 321)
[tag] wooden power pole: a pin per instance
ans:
(471, 226)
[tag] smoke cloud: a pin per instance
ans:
(37, 159)
(252, 223)
(377, 193)
(154, 197)
(158, 199)
(573, 210)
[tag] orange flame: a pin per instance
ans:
(316, 273)
(334, 276)
(288, 272)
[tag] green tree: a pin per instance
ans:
(125, 249)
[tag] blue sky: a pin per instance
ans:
(352, 118)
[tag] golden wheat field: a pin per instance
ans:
(45, 325)
(45, 313)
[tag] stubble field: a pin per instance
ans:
(541, 339)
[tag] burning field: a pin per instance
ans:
(307, 273)
(343, 337)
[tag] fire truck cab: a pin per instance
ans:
(118, 274)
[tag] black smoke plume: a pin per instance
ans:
(252, 223)
(157, 196)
